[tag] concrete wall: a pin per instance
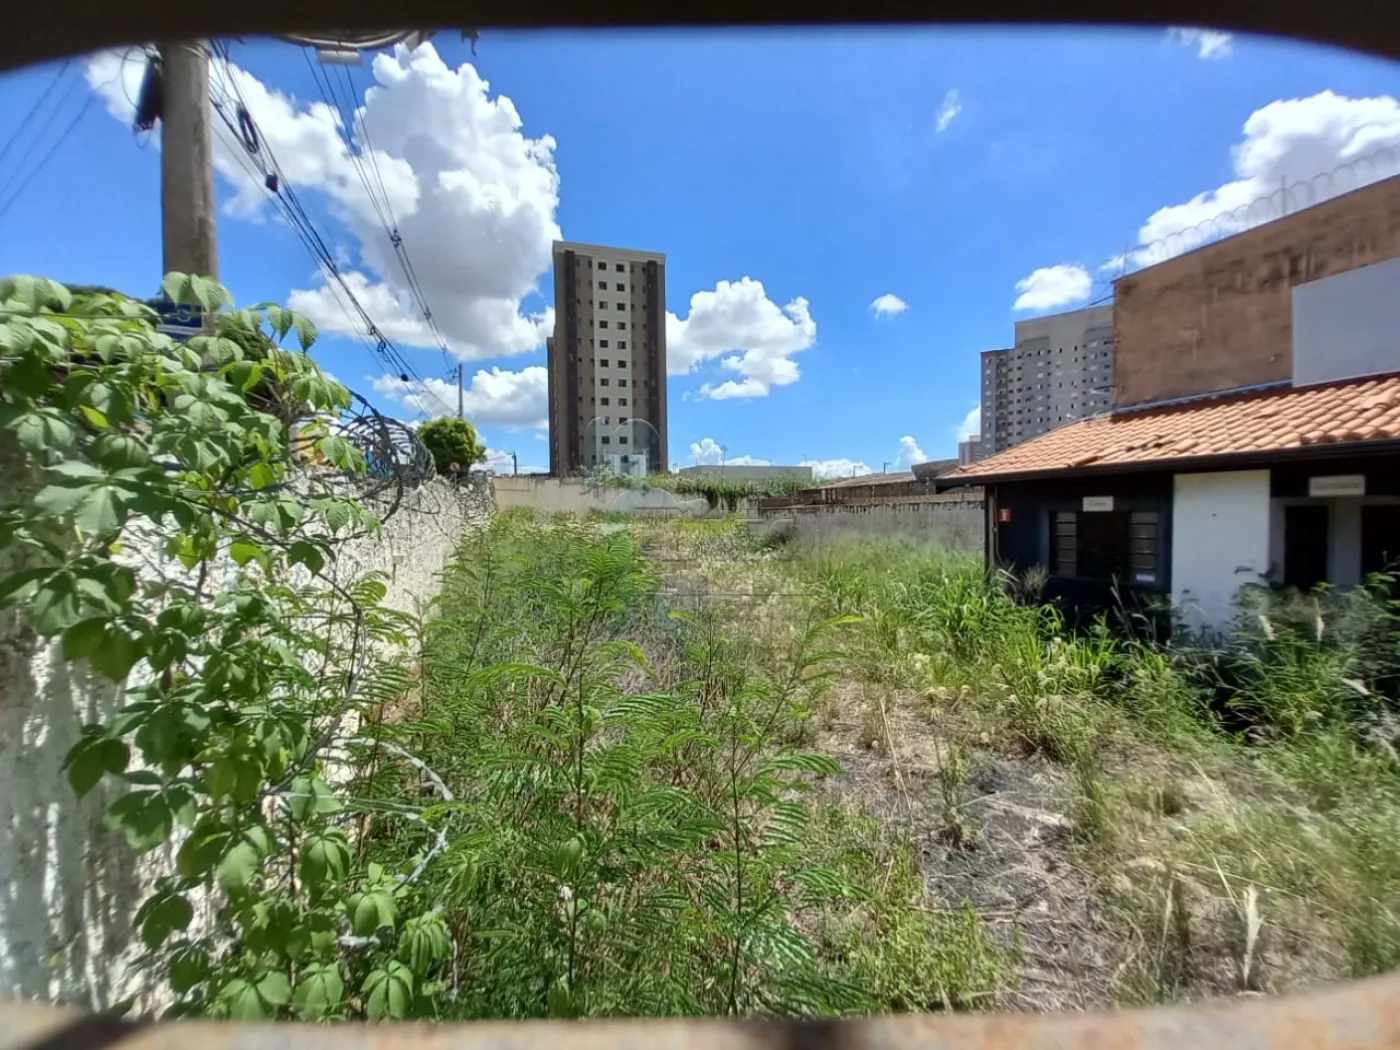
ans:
(1345, 326)
(69, 888)
(749, 472)
(955, 524)
(1220, 542)
(574, 496)
(1222, 316)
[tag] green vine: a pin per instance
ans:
(245, 668)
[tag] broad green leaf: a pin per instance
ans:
(319, 991)
(189, 965)
(166, 915)
(275, 988)
(238, 867)
(84, 637)
(116, 655)
(325, 858)
(387, 992)
(305, 329)
(102, 510)
(54, 607)
(311, 795)
(243, 1001)
(94, 754)
(261, 475)
(244, 551)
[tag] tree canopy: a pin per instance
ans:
(452, 440)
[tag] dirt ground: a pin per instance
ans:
(1014, 862)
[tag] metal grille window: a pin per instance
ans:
(1064, 543)
(1142, 545)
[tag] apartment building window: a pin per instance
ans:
(621, 324)
(602, 324)
(620, 288)
(603, 381)
(621, 268)
(622, 439)
(622, 361)
(607, 440)
(622, 419)
(622, 382)
(603, 362)
(622, 403)
(605, 401)
(601, 305)
(603, 343)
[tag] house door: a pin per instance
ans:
(1380, 538)
(1304, 546)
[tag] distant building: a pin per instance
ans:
(1253, 435)
(607, 360)
(749, 472)
(1060, 370)
(970, 451)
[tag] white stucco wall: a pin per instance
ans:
(69, 888)
(1220, 542)
(1344, 325)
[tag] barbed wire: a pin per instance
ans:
(1289, 197)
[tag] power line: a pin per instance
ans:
(24, 123)
(243, 128)
(8, 202)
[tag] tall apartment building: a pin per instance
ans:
(607, 360)
(1060, 370)
(971, 450)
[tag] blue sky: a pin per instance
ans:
(947, 174)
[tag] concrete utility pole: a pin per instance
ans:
(187, 162)
(460, 394)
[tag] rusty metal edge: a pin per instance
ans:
(1364, 1015)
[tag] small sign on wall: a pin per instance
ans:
(1092, 503)
(1337, 485)
(1003, 515)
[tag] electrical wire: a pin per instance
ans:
(34, 109)
(8, 202)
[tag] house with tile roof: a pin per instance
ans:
(1254, 435)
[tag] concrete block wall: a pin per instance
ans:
(957, 525)
(69, 889)
(1221, 316)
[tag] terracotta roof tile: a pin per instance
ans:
(1266, 421)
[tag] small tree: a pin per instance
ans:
(452, 440)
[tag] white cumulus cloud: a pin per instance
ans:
(1209, 43)
(888, 305)
(1052, 286)
(909, 453)
(707, 452)
(971, 425)
(747, 331)
(949, 111)
(498, 397)
(1318, 147)
(826, 469)
(471, 196)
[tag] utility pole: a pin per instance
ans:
(460, 394)
(187, 162)
(514, 465)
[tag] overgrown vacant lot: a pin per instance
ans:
(686, 771)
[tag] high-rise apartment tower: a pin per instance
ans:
(1060, 370)
(607, 360)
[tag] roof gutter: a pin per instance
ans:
(1181, 464)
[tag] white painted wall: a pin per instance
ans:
(1220, 541)
(69, 888)
(1344, 326)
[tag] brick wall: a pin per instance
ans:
(1221, 316)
